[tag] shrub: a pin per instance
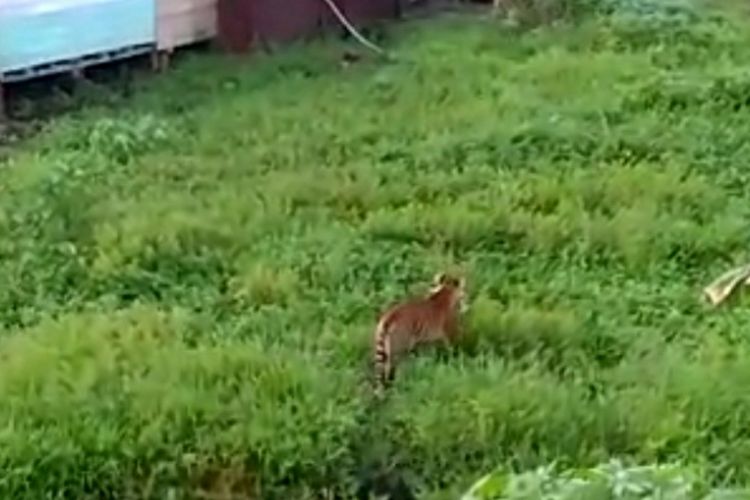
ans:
(612, 480)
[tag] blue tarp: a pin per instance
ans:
(38, 32)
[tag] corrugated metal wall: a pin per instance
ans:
(181, 22)
(38, 32)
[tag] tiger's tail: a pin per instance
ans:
(383, 356)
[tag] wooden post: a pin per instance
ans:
(78, 77)
(165, 56)
(154, 60)
(78, 73)
(160, 59)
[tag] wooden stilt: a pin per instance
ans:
(165, 59)
(160, 60)
(3, 116)
(155, 60)
(78, 73)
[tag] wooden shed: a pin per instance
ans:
(184, 22)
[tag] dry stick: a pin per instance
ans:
(351, 29)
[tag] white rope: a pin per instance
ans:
(351, 29)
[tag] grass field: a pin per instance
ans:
(190, 277)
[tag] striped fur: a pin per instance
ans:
(425, 320)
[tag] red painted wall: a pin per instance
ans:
(287, 20)
(235, 25)
(243, 23)
(362, 12)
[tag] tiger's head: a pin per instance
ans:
(453, 285)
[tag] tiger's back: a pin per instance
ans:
(426, 320)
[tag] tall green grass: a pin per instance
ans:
(189, 278)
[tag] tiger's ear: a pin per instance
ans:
(439, 279)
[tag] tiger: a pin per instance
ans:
(425, 320)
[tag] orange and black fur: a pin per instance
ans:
(425, 320)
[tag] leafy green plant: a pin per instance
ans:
(608, 481)
(120, 140)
